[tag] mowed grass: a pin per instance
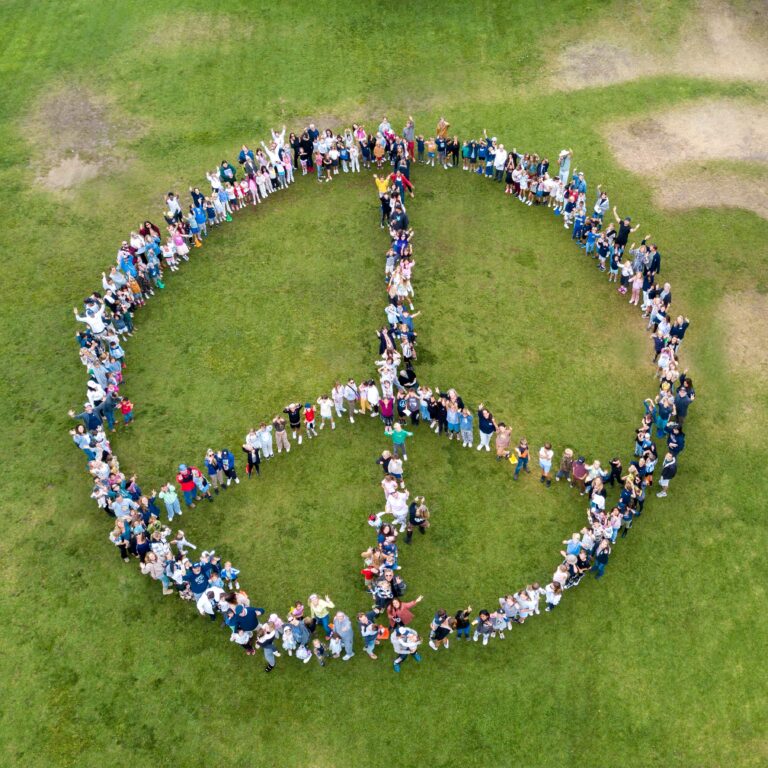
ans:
(659, 664)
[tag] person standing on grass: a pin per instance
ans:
(399, 436)
(265, 637)
(351, 396)
(668, 471)
(503, 439)
(281, 436)
(369, 631)
(294, 418)
(545, 463)
(186, 482)
(215, 471)
(253, 459)
(405, 643)
(553, 593)
(342, 626)
(522, 454)
(602, 554)
(440, 629)
(319, 610)
(487, 427)
(264, 434)
(227, 459)
(466, 422)
(170, 499)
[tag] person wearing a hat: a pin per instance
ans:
(564, 160)
(405, 643)
(309, 420)
(197, 579)
(625, 230)
(227, 459)
(186, 481)
(579, 474)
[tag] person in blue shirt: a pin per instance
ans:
(466, 422)
(487, 426)
(591, 240)
(197, 580)
(227, 459)
(91, 418)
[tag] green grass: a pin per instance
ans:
(662, 658)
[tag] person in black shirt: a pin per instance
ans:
(294, 419)
(625, 229)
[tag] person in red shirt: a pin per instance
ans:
(402, 183)
(126, 408)
(309, 420)
(186, 481)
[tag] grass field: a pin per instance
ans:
(659, 664)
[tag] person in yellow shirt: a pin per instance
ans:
(319, 610)
(382, 184)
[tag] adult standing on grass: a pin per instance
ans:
(668, 471)
(342, 626)
(319, 610)
(399, 613)
(91, 417)
(186, 482)
(487, 427)
(405, 643)
(369, 631)
(625, 230)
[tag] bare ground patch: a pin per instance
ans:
(711, 130)
(672, 148)
(717, 42)
(702, 188)
(75, 136)
(747, 339)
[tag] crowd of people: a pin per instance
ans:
(394, 395)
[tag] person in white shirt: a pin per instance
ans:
(326, 411)
(535, 592)
(499, 161)
(373, 399)
(545, 462)
(208, 602)
(553, 593)
(397, 506)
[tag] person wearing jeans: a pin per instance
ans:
(319, 610)
(601, 558)
(487, 427)
(171, 500)
(369, 630)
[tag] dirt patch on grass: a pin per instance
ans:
(702, 188)
(747, 338)
(75, 136)
(712, 130)
(717, 42)
(672, 149)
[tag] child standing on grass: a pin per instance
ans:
(126, 408)
(326, 412)
(229, 575)
(399, 436)
(553, 592)
(521, 457)
(309, 420)
(483, 627)
(545, 463)
(463, 622)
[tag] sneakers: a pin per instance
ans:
(396, 667)
(347, 656)
(417, 657)
(299, 439)
(432, 645)
(351, 420)
(405, 457)
(229, 481)
(485, 639)
(661, 494)
(237, 481)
